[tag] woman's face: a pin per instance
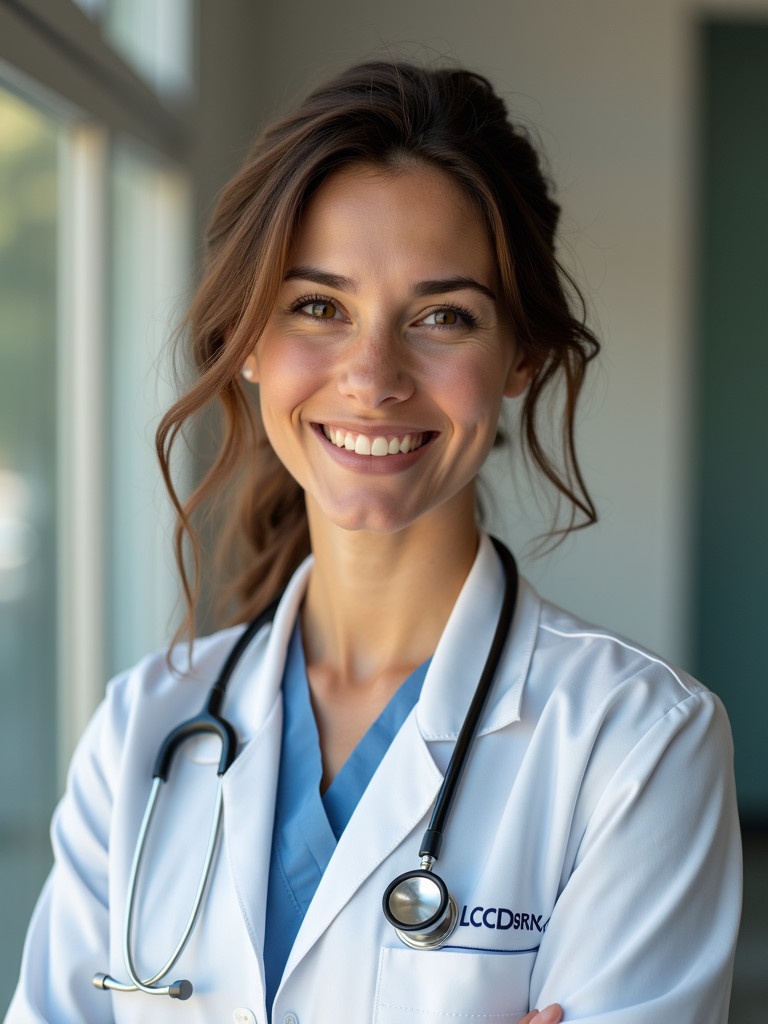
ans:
(384, 364)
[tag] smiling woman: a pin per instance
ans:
(419, 120)
(381, 395)
(381, 280)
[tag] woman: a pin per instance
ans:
(381, 279)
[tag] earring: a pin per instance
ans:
(247, 371)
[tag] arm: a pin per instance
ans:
(68, 937)
(646, 923)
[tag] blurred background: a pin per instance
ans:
(119, 121)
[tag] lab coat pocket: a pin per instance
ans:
(448, 985)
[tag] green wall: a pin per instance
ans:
(731, 599)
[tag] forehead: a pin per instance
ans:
(417, 214)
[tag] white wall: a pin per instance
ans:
(610, 87)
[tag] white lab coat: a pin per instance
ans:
(593, 848)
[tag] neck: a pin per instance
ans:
(377, 604)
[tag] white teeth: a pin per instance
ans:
(361, 444)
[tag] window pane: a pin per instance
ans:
(28, 468)
(149, 279)
(156, 38)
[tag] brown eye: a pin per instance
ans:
(446, 317)
(320, 310)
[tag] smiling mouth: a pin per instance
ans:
(379, 445)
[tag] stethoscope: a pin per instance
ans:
(417, 904)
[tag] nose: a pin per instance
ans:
(375, 372)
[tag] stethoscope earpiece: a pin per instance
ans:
(421, 910)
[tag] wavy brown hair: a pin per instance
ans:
(391, 114)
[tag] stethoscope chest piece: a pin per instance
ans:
(421, 910)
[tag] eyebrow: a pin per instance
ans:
(452, 284)
(423, 288)
(317, 276)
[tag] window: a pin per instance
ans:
(30, 173)
(155, 38)
(149, 205)
(94, 215)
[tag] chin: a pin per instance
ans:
(372, 517)
(368, 523)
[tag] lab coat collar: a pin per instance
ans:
(255, 686)
(455, 667)
(460, 656)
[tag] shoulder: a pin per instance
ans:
(143, 702)
(168, 687)
(604, 681)
(605, 716)
(173, 675)
(605, 654)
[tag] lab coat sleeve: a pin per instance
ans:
(68, 937)
(646, 922)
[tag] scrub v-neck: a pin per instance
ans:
(307, 824)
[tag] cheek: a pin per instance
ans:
(472, 392)
(288, 373)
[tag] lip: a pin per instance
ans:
(374, 463)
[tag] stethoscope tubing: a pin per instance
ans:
(210, 720)
(418, 903)
(179, 989)
(197, 902)
(432, 842)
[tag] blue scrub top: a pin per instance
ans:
(308, 824)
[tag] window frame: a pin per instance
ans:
(54, 56)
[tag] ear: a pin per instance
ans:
(250, 370)
(520, 374)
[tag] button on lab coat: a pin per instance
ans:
(592, 850)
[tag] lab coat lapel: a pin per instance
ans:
(249, 808)
(399, 796)
(250, 785)
(405, 786)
